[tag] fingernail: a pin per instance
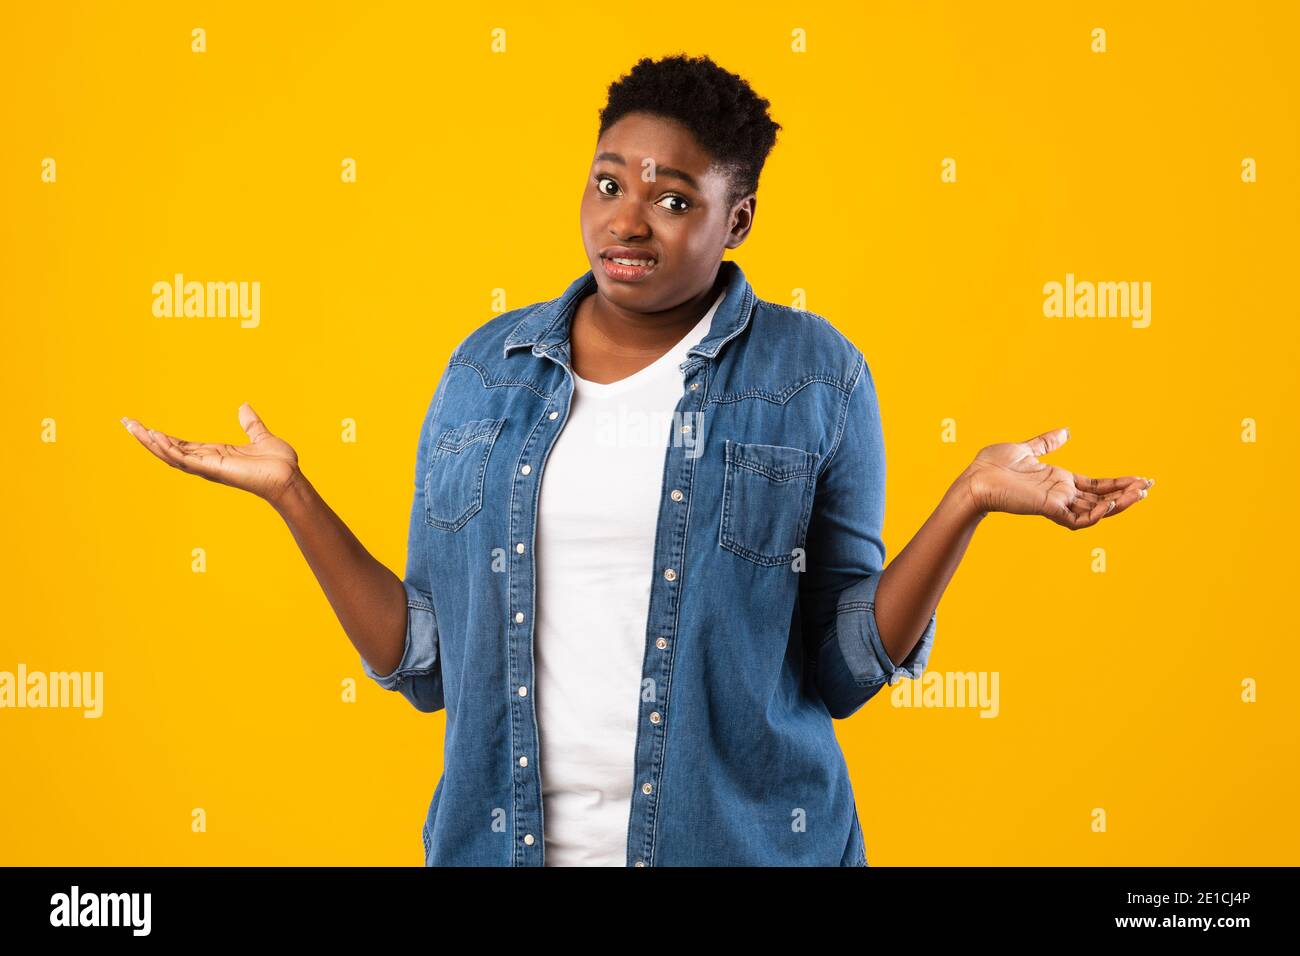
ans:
(1142, 493)
(125, 423)
(1150, 482)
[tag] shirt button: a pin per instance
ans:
(677, 495)
(694, 386)
(654, 717)
(661, 643)
(523, 691)
(528, 838)
(526, 470)
(520, 547)
(646, 788)
(553, 416)
(523, 761)
(670, 574)
(519, 617)
(640, 862)
(685, 428)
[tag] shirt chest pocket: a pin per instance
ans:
(453, 485)
(767, 501)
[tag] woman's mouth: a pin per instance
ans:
(628, 269)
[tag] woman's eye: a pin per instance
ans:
(602, 181)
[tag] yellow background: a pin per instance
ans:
(1119, 690)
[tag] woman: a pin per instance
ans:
(641, 657)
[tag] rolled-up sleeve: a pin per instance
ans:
(845, 558)
(418, 675)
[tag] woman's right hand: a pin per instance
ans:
(267, 466)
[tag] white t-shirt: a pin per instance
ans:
(598, 507)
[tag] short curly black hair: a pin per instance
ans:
(725, 115)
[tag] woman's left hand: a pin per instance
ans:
(1009, 477)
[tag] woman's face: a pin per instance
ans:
(653, 191)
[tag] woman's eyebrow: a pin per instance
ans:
(659, 170)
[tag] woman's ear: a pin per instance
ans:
(742, 220)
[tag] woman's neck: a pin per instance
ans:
(608, 343)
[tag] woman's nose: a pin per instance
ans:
(629, 223)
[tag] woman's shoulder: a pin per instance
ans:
(806, 339)
(802, 323)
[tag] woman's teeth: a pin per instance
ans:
(631, 262)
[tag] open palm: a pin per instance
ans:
(265, 466)
(1009, 477)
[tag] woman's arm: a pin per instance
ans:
(369, 600)
(866, 625)
(1006, 477)
(910, 587)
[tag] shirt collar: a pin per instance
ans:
(547, 326)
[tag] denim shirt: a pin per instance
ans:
(760, 628)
